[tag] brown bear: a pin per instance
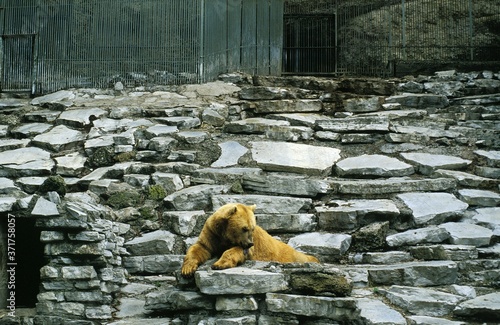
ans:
(232, 233)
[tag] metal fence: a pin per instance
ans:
(47, 45)
(52, 44)
(373, 38)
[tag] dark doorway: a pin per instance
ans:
(309, 44)
(28, 259)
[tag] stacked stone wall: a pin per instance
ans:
(392, 184)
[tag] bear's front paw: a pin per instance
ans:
(188, 269)
(222, 265)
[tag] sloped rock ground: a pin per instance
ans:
(393, 184)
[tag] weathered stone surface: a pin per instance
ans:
(427, 320)
(418, 236)
(363, 105)
(265, 204)
(374, 312)
(373, 165)
(44, 208)
(288, 106)
(370, 237)
(156, 242)
(287, 223)
(492, 157)
(286, 184)
(59, 99)
(173, 299)
(60, 138)
(6, 203)
(427, 163)
(295, 158)
(480, 197)
(433, 208)
(391, 185)
(350, 214)
(184, 222)
(254, 125)
(80, 117)
(392, 257)
(330, 246)
(444, 252)
(486, 307)
(419, 100)
(195, 197)
(468, 234)
(239, 280)
(354, 124)
(231, 151)
(300, 119)
(465, 179)
(332, 282)
(414, 274)
(225, 303)
(72, 164)
(423, 301)
(338, 309)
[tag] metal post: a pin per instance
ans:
(202, 40)
(471, 31)
(403, 24)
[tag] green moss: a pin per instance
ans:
(125, 156)
(120, 200)
(156, 192)
(148, 213)
(54, 184)
(102, 157)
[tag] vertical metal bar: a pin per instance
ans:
(403, 27)
(202, 40)
(471, 30)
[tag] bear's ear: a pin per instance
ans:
(230, 212)
(252, 207)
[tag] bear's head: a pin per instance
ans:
(235, 223)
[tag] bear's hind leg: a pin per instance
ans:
(231, 258)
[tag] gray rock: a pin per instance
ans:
(226, 303)
(337, 309)
(481, 198)
(363, 105)
(47, 236)
(153, 264)
(61, 309)
(444, 252)
(231, 152)
(212, 117)
(300, 119)
(354, 124)
(427, 320)
(287, 223)
(370, 237)
(255, 125)
(239, 280)
(288, 106)
(72, 164)
(175, 300)
(391, 185)
(7, 203)
(373, 165)
(465, 179)
(419, 100)
(373, 312)
(184, 222)
(329, 246)
(192, 137)
(427, 163)
(449, 88)
(80, 117)
(417, 134)
(91, 249)
(289, 133)
(433, 208)
(156, 242)
(181, 122)
(7, 186)
(347, 215)
(195, 197)
(169, 181)
(286, 184)
(265, 204)
(295, 158)
(60, 138)
(210, 89)
(131, 307)
(491, 157)
(159, 130)
(44, 208)
(423, 301)
(31, 129)
(486, 307)
(418, 236)
(59, 99)
(392, 257)
(414, 274)
(488, 217)
(224, 175)
(263, 93)
(468, 234)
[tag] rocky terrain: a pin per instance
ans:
(393, 184)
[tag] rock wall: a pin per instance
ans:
(393, 184)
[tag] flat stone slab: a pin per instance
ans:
(427, 163)
(354, 124)
(468, 234)
(288, 106)
(373, 165)
(195, 197)
(294, 157)
(62, 97)
(338, 309)
(330, 246)
(287, 223)
(492, 157)
(231, 151)
(7, 186)
(418, 236)
(72, 164)
(423, 301)
(60, 138)
(275, 183)
(239, 280)
(433, 208)
(6, 203)
(156, 242)
(266, 204)
(23, 155)
(339, 214)
(420, 274)
(466, 179)
(485, 307)
(375, 312)
(44, 208)
(31, 129)
(419, 100)
(300, 119)
(488, 217)
(427, 320)
(391, 185)
(422, 132)
(254, 125)
(480, 197)
(80, 117)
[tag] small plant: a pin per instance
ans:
(54, 184)
(156, 192)
(124, 199)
